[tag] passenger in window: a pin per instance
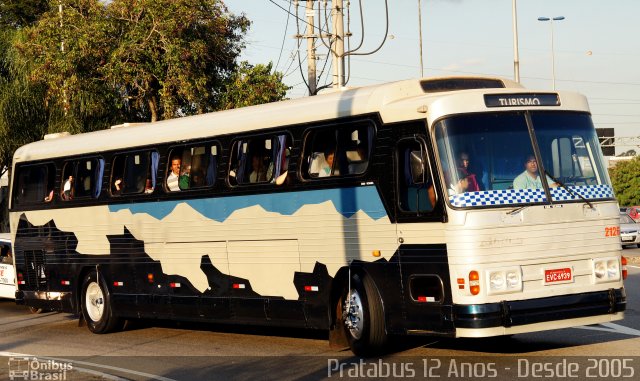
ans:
(174, 177)
(530, 179)
(49, 197)
(67, 189)
(463, 165)
(325, 166)
(117, 187)
(258, 174)
(148, 186)
(461, 185)
(183, 181)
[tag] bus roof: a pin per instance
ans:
(396, 101)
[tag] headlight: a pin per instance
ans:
(513, 279)
(496, 280)
(606, 269)
(600, 269)
(505, 280)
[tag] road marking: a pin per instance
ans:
(613, 328)
(94, 365)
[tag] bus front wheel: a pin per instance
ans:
(363, 317)
(96, 304)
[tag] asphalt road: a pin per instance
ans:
(171, 351)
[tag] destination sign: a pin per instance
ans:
(521, 100)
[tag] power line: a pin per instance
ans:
(296, 16)
(284, 37)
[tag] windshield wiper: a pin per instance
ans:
(569, 190)
(516, 210)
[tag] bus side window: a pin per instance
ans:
(415, 184)
(34, 184)
(259, 160)
(133, 173)
(198, 166)
(337, 151)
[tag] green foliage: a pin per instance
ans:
(20, 13)
(625, 177)
(253, 85)
(172, 57)
(22, 115)
(99, 63)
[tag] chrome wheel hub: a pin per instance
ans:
(353, 314)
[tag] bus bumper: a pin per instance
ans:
(519, 316)
(52, 301)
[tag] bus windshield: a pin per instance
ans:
(488, 159)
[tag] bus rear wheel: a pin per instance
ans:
(363, 316)
(96, 304)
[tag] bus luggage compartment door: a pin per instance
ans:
(427, 294)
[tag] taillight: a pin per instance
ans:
(624, 268)
(20, 278)
(474, 282)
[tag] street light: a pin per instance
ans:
(553, 58)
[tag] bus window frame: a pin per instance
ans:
(273, 135)
(428, 165)
(19, 168)
(303, 168)
(126, 154)
(76, 162)
(183, 146)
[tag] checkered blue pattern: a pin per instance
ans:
(590, 192)
(527, 196)
(498, 197)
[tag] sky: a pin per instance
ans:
(597, 46)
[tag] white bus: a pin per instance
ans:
(409, 208)
(7, 274)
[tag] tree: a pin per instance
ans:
(153, 59)
(625, 177)
(19, 13)
(63, 52)
(173, 57)
(252, 85)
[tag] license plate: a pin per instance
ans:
(555, 276)
(627, 239)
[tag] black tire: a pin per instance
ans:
(370, 336)
(96, 305)
(35, 310)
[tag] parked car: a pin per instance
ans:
(629, 235)
(7, 273)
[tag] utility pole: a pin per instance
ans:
(420, 30)
(516, 59)
(65, 101)
(311, 49)
(337, 16)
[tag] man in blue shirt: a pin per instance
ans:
(530, 179)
